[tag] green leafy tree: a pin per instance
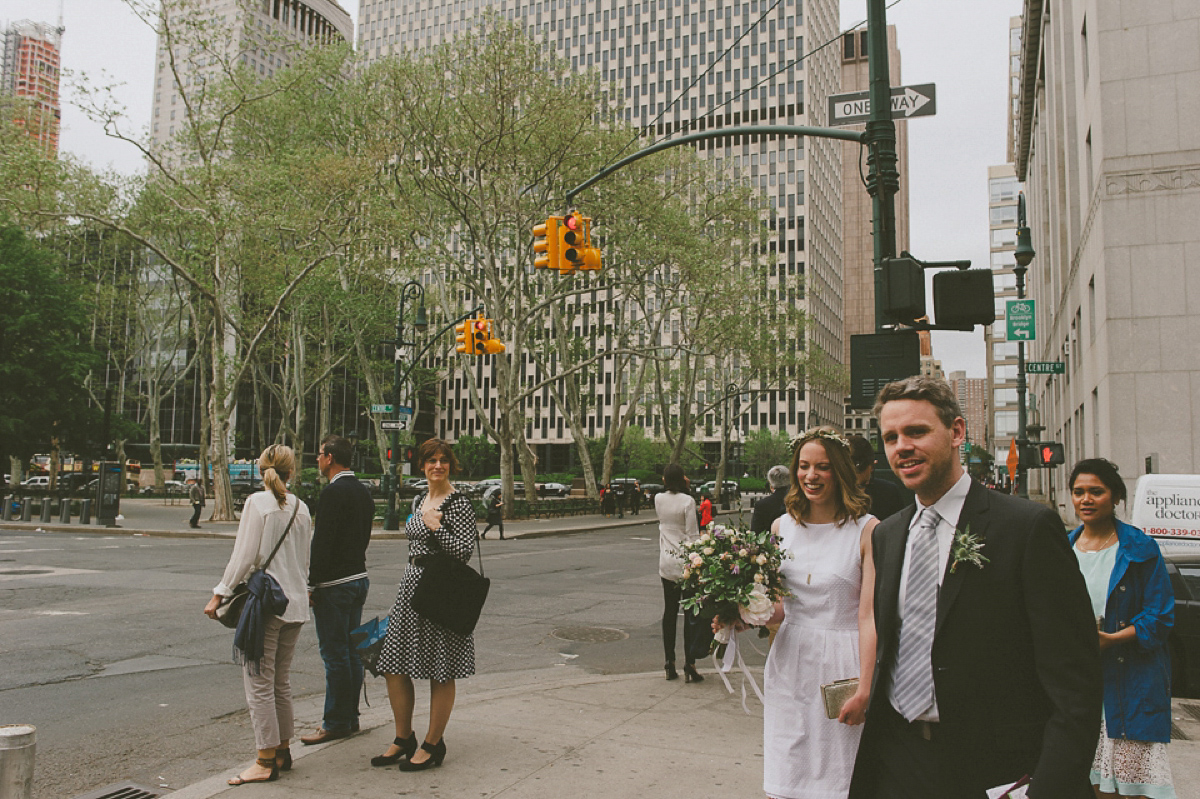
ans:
(765, 449)
(44, 355)
(474, 453)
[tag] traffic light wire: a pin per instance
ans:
(683, 92)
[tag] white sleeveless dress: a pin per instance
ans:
(805, 754)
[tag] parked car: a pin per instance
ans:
(553, 490)
(1183, 567)
(650, 490)
(37, 481)
(169, 486)
(732, 489)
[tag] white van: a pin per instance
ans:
(1167, 506)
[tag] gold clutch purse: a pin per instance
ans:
(836, 695)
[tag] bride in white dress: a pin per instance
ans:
(828, 625)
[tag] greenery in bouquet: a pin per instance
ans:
(733, 575)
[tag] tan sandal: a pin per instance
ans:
(263, 762)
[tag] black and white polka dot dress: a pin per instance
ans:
(414, 646)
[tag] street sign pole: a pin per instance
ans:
(883, 180)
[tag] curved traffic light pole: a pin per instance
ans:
(392, 520)
(748, 130)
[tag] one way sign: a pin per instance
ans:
(907, 101)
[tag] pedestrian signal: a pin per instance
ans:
(545, 243)
(1050, 453)
(463, 340)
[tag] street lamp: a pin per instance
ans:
(414, 290)
(731, 392)
(1023, 256)
(353, 437)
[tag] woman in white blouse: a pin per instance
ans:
(677, 524)
(268, 690)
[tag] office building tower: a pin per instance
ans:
(972, 400)
(1003, 189)
(1108, 147)
(651, 50)
(29, 74)
(259, 34)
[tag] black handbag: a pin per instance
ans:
(229, 612)
(449, 592)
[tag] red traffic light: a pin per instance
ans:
(389, 453)
(572, 222)
(480, 325)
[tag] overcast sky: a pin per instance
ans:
(959, 45)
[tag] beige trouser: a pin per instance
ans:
(269, 693)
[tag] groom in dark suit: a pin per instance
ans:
(987, 668)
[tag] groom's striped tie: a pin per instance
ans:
(913, 692)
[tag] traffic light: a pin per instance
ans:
(575, 247)
(545, 243)
(1050, 453)
(486, 342)
(903, 290)
(464, 340)
(964, 298)
(479, 336)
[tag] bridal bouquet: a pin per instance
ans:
(733, 574)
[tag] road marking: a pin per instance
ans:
(20, 551)
(30, 570)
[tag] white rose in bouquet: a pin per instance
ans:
(759, 609)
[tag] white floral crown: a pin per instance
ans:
(820, 432)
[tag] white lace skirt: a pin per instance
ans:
(1132, 768)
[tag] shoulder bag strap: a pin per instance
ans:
(286, 530)
(478, 549)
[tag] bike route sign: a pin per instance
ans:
(1019, 315)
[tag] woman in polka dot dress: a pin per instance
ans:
(415, 648)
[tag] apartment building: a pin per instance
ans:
(30, 73)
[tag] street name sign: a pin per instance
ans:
(1046, 368)
(1019, 315)
(381, 409)
(395, 424)
(854, 108)
(404, 410)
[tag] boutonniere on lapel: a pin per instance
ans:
(966, 548)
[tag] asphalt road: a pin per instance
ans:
(104, 648)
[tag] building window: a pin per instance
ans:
(1003, 215)
(1004, 423)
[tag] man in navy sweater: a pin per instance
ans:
(337, 583)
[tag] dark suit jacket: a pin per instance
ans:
(886, 498)
(342, 531)
(767, 510)
(1015, 655)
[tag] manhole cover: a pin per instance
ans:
(590, 635)
(123, 790)
(25, 571)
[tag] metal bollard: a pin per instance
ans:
(8, 501)
(26, 509)
(17, 744)
(47, 509)
(64, 510)
(85, 511)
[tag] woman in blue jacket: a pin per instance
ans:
(1135, 609)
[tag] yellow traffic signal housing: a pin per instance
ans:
(463, 341)
(545, 243)
(479, 335)
(576, 250)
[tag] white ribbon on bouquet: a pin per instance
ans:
(733, 657)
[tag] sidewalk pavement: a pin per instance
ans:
(546, 733)
(161, 517)
(563, 732)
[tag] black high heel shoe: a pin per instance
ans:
(437, 753)
(408, 746)
(690, 674)
(670, 669)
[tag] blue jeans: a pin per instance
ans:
(337, 610)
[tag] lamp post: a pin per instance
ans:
(731, 392)
(1023, 256)
(414, 290)
(353, 437)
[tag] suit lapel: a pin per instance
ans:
(973, 519)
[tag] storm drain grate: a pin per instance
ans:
(590, 635)
(124, 790)
(1191, 710)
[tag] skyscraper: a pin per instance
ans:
(246, 28)
(30, 73)
(689, 65)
